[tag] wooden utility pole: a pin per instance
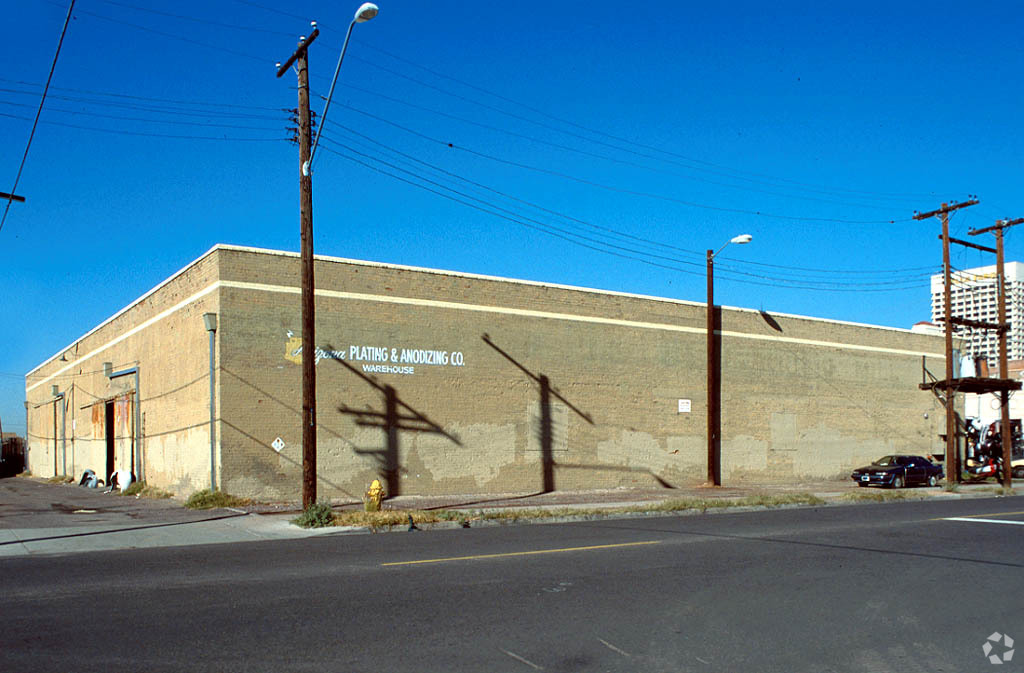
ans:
(713, 383)
(1006, 432)
(301, 61)
(952, 466)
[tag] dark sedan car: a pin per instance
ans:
(898, 471)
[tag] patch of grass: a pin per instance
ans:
(998, 490)
(61, 479)
(392, 518)
(389, 517)
(704, 504)
(141, 489)
(207, 499)
(951, 487)
(317, 515)
(864, 495)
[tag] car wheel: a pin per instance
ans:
(932, 481)
(1018, 472)
(897, 482)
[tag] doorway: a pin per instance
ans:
(109, 428)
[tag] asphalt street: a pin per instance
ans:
(912, 586)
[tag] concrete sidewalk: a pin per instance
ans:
(37, 517)
(41, 518)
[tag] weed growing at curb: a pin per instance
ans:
(141, 489)
(998, 490)
(317, 515)
(207, 499)
(389, 518)
(61, 479)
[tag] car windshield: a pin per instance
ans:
(885, 461)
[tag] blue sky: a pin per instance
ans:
(591, 143)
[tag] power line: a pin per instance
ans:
(586, 241)
(111, 94)
(606, 157)
(219, 24)
(819, 188)
(146, 135)
(644, 241)
(35, 122)
(173, 36)
(730, 173)
(147, 120)
(621, 190)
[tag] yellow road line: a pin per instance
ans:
(520, 553)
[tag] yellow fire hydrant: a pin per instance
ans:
(374, 495)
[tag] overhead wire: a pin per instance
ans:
(194, 19)
(541, 112)
(39, 111)
(608, 230)
(111, 94)
(538, 111)
(147, 120)
(579, 239)
(175, 109)
(144, 134)
(621, 190)
(556, 145)
(172, 36)
(643, 154)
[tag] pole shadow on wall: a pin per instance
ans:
(545, 431)
(396, 416)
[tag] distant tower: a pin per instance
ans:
(974, 297)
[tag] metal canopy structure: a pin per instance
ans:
(973, 384)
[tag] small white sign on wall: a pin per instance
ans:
(278, 444)
(684, 406)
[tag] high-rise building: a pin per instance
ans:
(974, 296)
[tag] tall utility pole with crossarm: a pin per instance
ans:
(1005, 432)
(307, 151)
(301, 61)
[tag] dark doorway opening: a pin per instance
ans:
(109, 423)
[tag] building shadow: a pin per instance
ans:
(396, 416)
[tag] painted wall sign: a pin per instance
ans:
(379, 359)
(684, 406)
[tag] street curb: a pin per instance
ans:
(836, 501)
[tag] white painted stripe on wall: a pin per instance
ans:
(135, 330)
(457, 306)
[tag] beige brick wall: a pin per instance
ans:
(163, 335)
(801, 398)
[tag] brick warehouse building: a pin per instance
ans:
(443, 382)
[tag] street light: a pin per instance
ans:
(366, 11)
(307, 147)
(714, 382)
